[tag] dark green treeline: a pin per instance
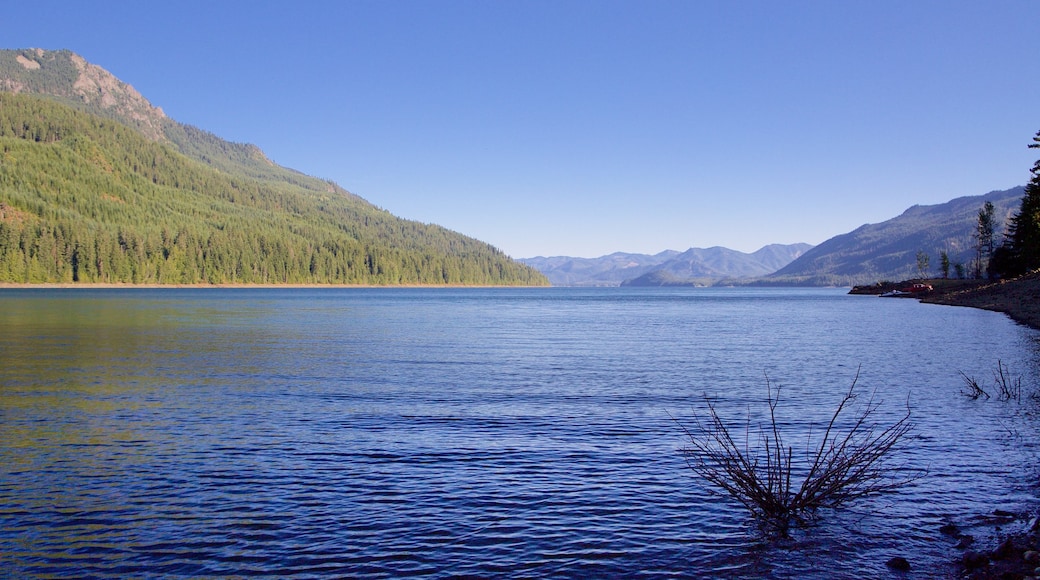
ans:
(87, 199)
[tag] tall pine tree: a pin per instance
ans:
(1024, 230)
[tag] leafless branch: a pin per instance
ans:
(1010, 388)
(845, 465)
(974, 390)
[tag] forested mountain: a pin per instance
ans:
(97, 185)
(888, 250)
(696, 266)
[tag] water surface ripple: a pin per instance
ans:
(520, 433)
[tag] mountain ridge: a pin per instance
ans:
(695, 266)
(887, 250)
(68, 77)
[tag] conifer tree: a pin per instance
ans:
(984, 238)
(1024, 230)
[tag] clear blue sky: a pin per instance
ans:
(572, 127)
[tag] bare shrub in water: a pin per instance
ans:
(1010, 388)
(776, 487)
(974, 390)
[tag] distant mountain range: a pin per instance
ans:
(97, 185)
(696, 266)
(871, 253)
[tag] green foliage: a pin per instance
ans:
(86, 199)
(1023, 243)
(238, 158)
(51, 72)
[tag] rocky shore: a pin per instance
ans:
(1017, 556)
(1019, 297)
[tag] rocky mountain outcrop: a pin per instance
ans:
(64, 74)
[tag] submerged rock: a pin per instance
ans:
(974, 560)
(1004, 550)
(964, 542)
(898, 563)
(950, 530)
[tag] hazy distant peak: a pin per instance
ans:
(698, 266)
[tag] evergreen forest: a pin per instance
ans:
(87, 199)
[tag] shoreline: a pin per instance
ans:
(1018, 298)
(107, 286)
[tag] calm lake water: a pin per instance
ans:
(475, 432)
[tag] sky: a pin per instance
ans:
(586, 127)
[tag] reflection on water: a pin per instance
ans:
(469, 432)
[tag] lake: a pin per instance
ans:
(518, 433)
